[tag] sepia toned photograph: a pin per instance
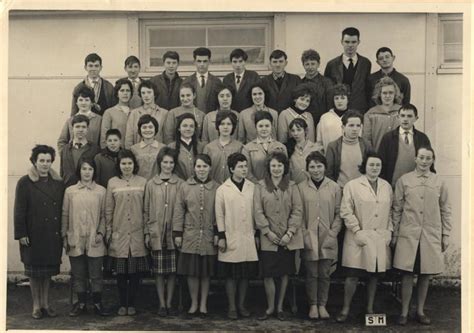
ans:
(216, 168)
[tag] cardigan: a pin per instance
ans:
(106, 98)
(280, 99)
(333, 156)
(358, 97)
(213, 84)
(388, 150)
(167, 98)
(241, 99)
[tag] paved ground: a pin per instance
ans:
(443, 305)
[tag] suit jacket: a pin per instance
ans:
(242, 99)
(167, 99)
(68, 168)
(358, 97)
(280, 99)
(388, 150)
(213, 84)
(106, 97)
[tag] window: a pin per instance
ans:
(450, 41)
(219, 35)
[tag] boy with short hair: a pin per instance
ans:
(321, 85)
(385, 58)
(132, 66)
(168, 82)
(103, 89)
(345, 154)
(352, 69)
(241, 80)
(205, 84)
(79, 147)
(84, 103)
(106, 160)
(279, 84)
(398, 147)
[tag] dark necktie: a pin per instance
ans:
(238, 78)
(351, 64)
(406, 137)
(203, 83)
(78, 145)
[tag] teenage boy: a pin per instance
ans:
(84, 103)
(168, 82)
(352, 69)
(385, 59)
(103, 89)
(279, 84)
(106, 160)
(321, 85)
(241, 80)
(346, 153)
(132, 66)
(76, 149)
(398, 147)
(205, 84)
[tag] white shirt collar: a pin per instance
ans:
(91, 82)
(345, 59)
(206, 75)
(88, 114)
(241, 75)
(402, 131)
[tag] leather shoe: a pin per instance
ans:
(100, 310)
(162, 312)
(122, 311)
(423, 319)
(281, 315)
(244, 313)
(232, 314)
(264, 316)
(131, 311)
(77, 309)
(49, 312)
(402, 320)
(37, 314)
(341, 318)
(173, 311)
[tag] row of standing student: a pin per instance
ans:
(195, 215)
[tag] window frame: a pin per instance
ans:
(448, 67)
(146, 23)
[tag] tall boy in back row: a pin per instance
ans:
(352, 69)
(103, 89)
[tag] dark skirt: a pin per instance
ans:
(130, 265)
(163, 261)
(416, 266)
(195, 265)
(277, 263)
(237, 270)
(41, 271)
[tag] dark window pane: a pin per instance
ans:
(173, 36)
(452, 53)
(241, 36)
(185, 56)
(452, 32)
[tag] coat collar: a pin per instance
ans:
(173, 180)
(34, 176)
(231, 186)
(209, 185)
(323, 184)
(90, 186)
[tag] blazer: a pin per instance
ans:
(241, 99)
(67, 168)
(358, 97)
(280, 99)
(213, 84)
(167, 98)
(388, 150)
(105, 101)
(321, 99)
(333, 156)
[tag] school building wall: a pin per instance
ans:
(46, 54)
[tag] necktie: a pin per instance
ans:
(203, 83)
(78, 145)
(351, 64)
(406, 138)
(238, 78)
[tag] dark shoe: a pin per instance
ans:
(264, 316)
(173, 311)
(162, 312)
(281, 315)
(203, 314)
(37, 314)
(49, 312)
(341, 318)
(100, 310)
(402, 320)
(244, 313)
(131, 311)
(423, 320)
(77, 309)
(232, 315)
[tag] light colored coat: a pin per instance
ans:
(83, 218)
(256, 156)
(321, 219)
(114, 117)
(146, 157)
(247, 130)
(124, 217)
(421, 216)
(234, 216)
(377, 122)
(169, 127)
(209, 131)
(131, 136)
(160, 200)
(329, 129)
(278, 211)
(219, 155)
(367, 218)
(286, 117)
(298, 161)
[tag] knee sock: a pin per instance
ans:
(133, 288)
(122, 289)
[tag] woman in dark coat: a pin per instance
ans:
(37, 218)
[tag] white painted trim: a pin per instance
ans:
(279, 31)
(133, 35)
(431, 66)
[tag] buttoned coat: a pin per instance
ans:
(241, 99)
(219, 155)
(421, 216)
(185, 166)
(83, 218)
(37, 215)
(358, 98)
(286, 117)
(377, 122)
(298, 161)
(321, 219)
(194, 216)
(368, 221)
(132, 137)
(280, 98)
(213, 85)
(160, 200)
(278, 211)
(209, 130)
(235, 217)
(124, 217)
(256, 156)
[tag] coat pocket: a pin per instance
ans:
(329, 243)
(360, 238)
(307, 240)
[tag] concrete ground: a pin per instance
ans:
(443, 306)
